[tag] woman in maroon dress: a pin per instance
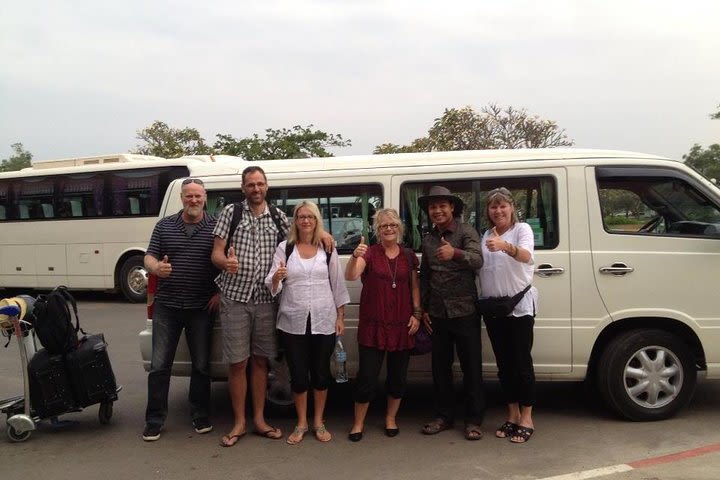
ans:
(390, 315)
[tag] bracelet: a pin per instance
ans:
(515, 251)
(355, 256)
(417, 312)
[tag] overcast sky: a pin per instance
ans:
(81, 77)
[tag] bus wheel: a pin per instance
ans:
(134, 279)
(646, 375)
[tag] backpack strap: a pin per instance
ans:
(275, 214)
(236, 218)
(289, 247)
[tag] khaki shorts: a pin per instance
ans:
(247, 327)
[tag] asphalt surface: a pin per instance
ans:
(575, 435)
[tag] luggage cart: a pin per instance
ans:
(22, 419)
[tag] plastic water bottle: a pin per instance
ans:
(341, 375)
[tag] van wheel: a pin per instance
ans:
(134, 279)
(646, 375)
(105, 412)
(279, 396)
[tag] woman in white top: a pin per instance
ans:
(311, 313)
(508, 258)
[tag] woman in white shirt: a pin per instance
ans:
(508, 259)
(311, 313)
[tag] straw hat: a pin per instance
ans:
(24, 302)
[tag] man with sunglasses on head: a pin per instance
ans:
(186, 298)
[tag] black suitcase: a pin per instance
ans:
(90, 372)
(50, 390)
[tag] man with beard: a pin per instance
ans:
(247, 310)
(179, 255)
(451, 255)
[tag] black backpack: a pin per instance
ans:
(52, 321)
(237, 217)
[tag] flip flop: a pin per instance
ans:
(322, 434)
(473, 432)
(297, 436)
(231, 440)
(272, 433)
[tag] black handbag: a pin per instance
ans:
(499, 307)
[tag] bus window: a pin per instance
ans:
(34, 198)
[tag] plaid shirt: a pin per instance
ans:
(255, 240)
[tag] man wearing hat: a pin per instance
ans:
(451, 255)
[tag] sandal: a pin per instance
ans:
(506, 430)
(231, 440)
(322, 434)
(473, 432)
(296, 436)
(272, 433)
(436, 426)
(522, 434)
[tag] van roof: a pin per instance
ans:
(356, 162)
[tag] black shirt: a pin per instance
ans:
(190, 284)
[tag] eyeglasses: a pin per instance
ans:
(500, 190)
(386, 226)
(309, 218)
(188, 181)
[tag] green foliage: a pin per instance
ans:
(493, 128)
(705, 160)
(163, 141)
(297, 142)
(19, 160)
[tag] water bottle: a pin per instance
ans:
(341, 375)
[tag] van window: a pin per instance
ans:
(347, 210)
(654, 203)
(535, 197)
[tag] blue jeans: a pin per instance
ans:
(168, 324)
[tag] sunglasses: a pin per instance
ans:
(188, 181)
(500, 190)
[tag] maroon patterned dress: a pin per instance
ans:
(384, 310)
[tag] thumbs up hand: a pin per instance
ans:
(495, 242)
(232, 264)
(164, 268)
(360, 249)
(280, 274)
(445, 251)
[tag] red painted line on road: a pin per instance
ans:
(674, 457)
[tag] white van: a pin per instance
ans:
(627, 252)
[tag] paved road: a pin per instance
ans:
(574, 433)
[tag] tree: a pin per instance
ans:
(163, 141)
(493, 128)
(20, 159)
(297, 142)
(706, 161)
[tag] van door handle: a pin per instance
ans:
(618, 269)
(547, 270)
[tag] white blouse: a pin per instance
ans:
(502, 275)
(312, 287)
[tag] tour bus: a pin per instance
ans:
(627, 254)
(85, 222)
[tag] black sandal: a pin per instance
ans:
(506, 430)
(523, 434)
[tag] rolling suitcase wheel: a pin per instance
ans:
(14, 436)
